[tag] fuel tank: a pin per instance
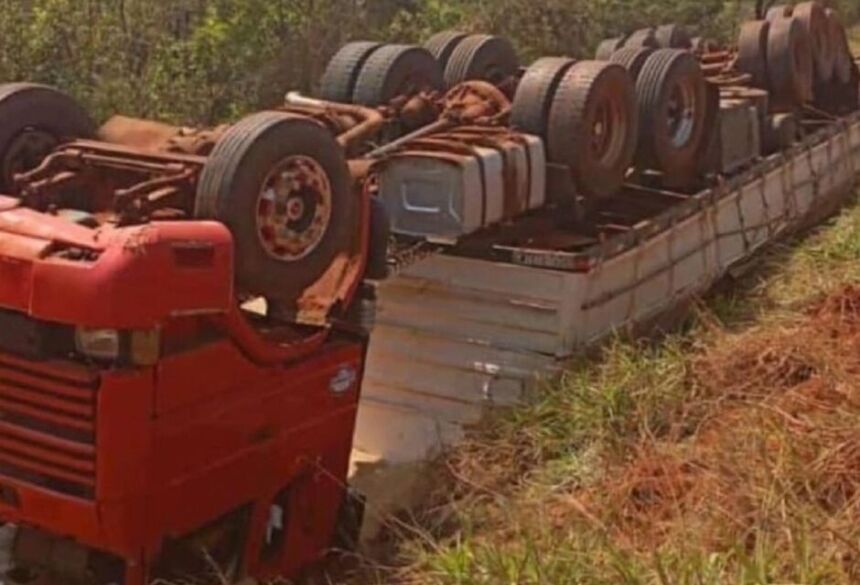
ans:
(449, 185)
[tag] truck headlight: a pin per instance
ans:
(99, 344)
(138, 347)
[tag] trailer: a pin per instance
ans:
(460, 333)
(483, 310)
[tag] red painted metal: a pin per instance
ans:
(177, 445)
(123, 459)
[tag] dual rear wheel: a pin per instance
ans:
(586, 113)
(646, 109)
(374, 74)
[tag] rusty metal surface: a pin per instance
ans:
(129, 183)
(150, 172)
(159, 137)
(354, 124)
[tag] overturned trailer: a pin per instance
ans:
(457, 333)
(595, 202)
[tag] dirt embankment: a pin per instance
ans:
(767, 444)
(737, 455)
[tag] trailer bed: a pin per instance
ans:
(460, 332)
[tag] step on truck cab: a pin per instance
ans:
(179, 361)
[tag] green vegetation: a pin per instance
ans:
(206, 61)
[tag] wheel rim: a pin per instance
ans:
(607, 132)
(681, 115)
(26, 152)
(294, 208)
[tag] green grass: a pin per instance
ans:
(716, 456)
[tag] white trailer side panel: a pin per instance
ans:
(457, 335)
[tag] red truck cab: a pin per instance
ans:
(151, 426)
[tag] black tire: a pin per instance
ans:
(606, 48)
(843, 64)
(644, 38)
(350, 518)
(380, 234)
(33, 120)
(671, 149)
(587, 90)
(752, 51)
(442, 45)
(632, 59)
(338, 81)
(789, 64)
(532, 101)
(230, 190)
(780, 11)
(814, 19)
(396, 70)
(673, 36)
(484, 58)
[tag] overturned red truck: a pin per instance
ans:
(183, 312)
(147, 413)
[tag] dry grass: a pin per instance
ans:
(775, 441)
(727, 454)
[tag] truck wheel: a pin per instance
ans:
(789, 63)
(593, 126)
(380, 235)
(780, 11)
(338, 81)
(752, 51)
(672, 112)
(673, 36)
(644, 38)
(607, 48)
(632, 59)
(442, 45)
(483, 58)
(813, 18)
(396, 70)
(34, 119)
(280, 182)
(843, 63)
(532, 101)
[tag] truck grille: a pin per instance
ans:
(47, 425)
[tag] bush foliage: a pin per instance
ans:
(204, 61)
